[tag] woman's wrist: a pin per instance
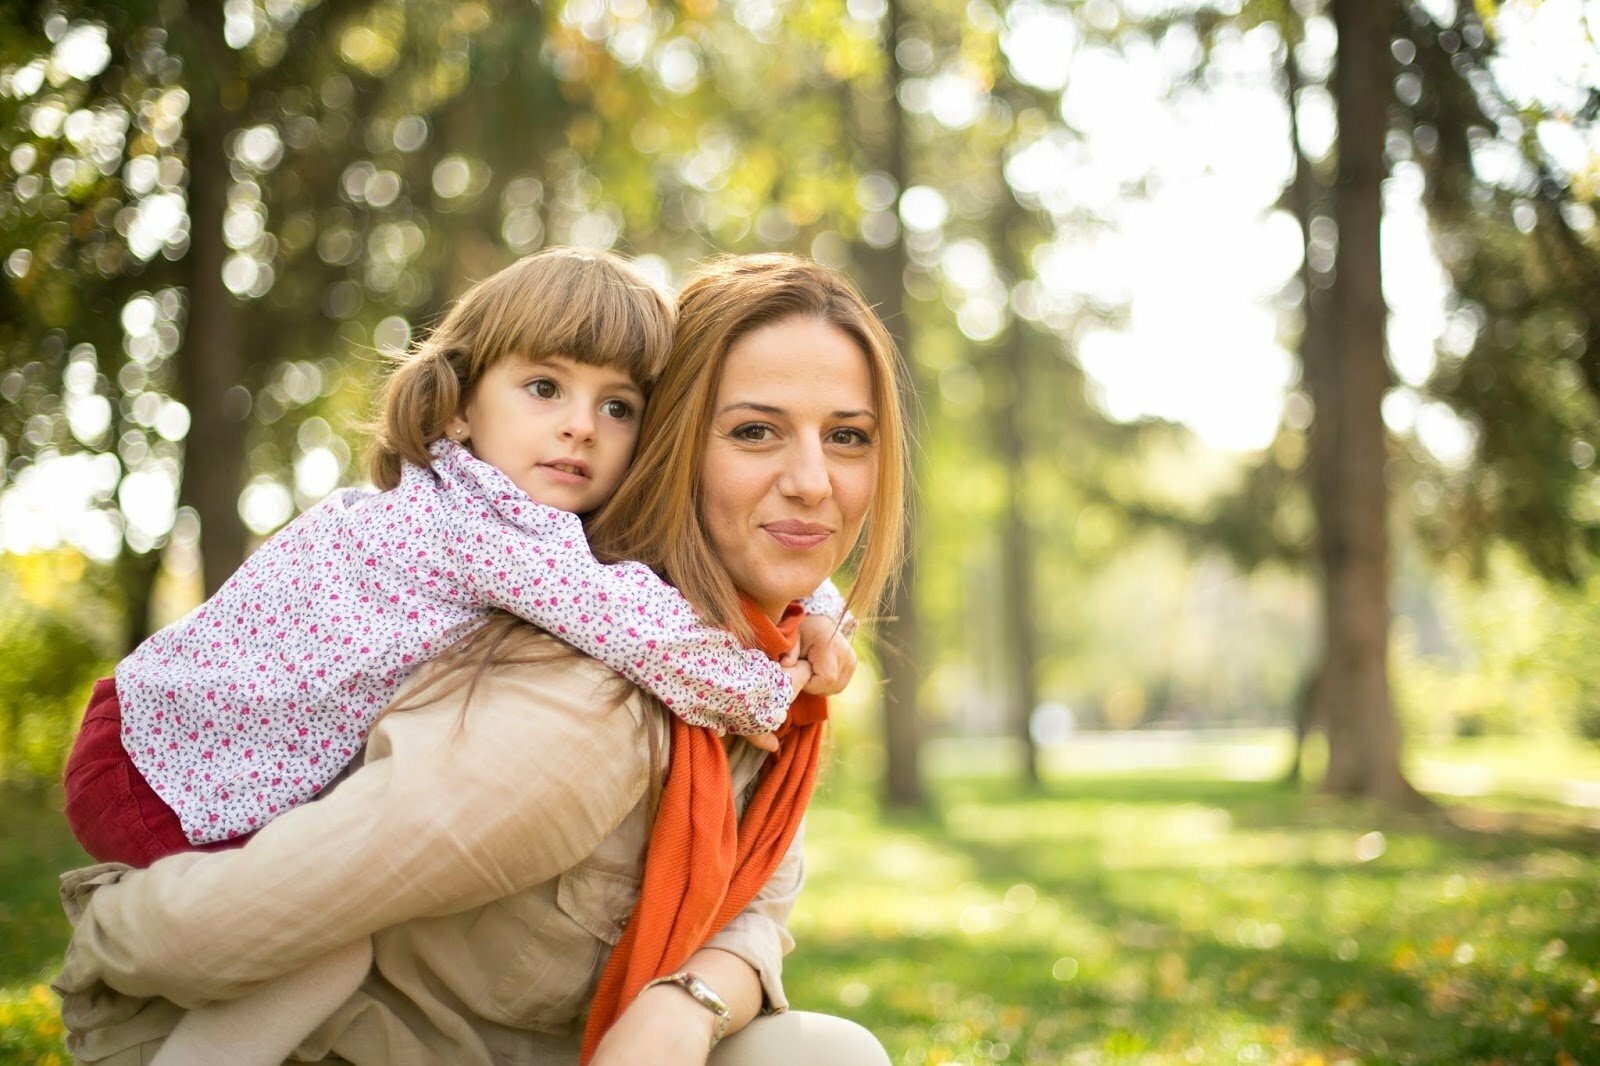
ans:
(703, 995)
(674, 1006)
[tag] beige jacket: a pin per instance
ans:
(494, 858)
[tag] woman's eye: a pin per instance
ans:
(752, 432)
(543, 388)
(618, 409)
(849, 436)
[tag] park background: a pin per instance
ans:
(1257, 400)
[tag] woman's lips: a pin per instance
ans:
(796, 535)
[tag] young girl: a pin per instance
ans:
(517, 415)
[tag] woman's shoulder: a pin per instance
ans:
(533, 655)
(511, 666)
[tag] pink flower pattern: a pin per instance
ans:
(254, 701)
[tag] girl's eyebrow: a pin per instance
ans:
(564, 363)
(769, 409)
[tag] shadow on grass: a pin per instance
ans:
(1291, 920)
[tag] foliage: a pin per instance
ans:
(1504, 653)
(52, 654)
(1520, 361)
(1153, 917)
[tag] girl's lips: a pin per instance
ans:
(566, 473)
(797, 536)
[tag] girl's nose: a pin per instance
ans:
(578, 424)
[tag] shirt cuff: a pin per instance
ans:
(762, 943)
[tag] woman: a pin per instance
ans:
(494, 843)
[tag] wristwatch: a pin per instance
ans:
(703, 994)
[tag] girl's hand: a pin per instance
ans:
(799, 676)
(832, 659)
(767, 742)
(664, 1026)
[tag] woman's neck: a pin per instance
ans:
(773, 611)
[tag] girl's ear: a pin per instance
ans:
(457, 429)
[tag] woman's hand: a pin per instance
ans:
(664, 1026)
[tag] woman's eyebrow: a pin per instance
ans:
(751, 405)
(769, 409)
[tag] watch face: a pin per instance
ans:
(704, 993)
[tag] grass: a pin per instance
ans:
(1162, 917)
(35, 847)
(1145, 915)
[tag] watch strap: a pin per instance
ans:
(702, 994)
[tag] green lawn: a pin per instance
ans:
(1142, 916)
(34, 847)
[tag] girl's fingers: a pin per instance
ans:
(765, 741)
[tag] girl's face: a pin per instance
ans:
(791, 459)
(562, 431)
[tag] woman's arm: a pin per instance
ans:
(665, 1026)
(743, 963)
(450, 812)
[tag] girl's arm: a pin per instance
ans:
(828, 603)
(535, 562)
(449, 813)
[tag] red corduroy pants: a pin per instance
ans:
(111, 808)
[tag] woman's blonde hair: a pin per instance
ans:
(591, 307)
(655, 514)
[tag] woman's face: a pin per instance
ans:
(792, 458)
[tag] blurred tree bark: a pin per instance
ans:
(1347, 381)
(883, 273)
(1011, 424)
(208, 360)
(1307, 199)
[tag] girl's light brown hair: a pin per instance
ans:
(591, 307)
(655, 514)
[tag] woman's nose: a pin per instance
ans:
(805, 474)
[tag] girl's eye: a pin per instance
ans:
(543, 388)
(752, 432)
(618, 409)
(849, 436)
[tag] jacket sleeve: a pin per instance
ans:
(452, 810)
(759, 934)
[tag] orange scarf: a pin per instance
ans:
(704, 864)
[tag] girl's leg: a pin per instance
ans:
(264, 1027)
(800, 1038)
(110, 807)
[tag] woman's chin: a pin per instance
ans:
(777, 586)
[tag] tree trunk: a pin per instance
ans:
(209, 359)
(1307, 198)
(1016, 549)
(1347, 384)
(136, 574)
(883, 272)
